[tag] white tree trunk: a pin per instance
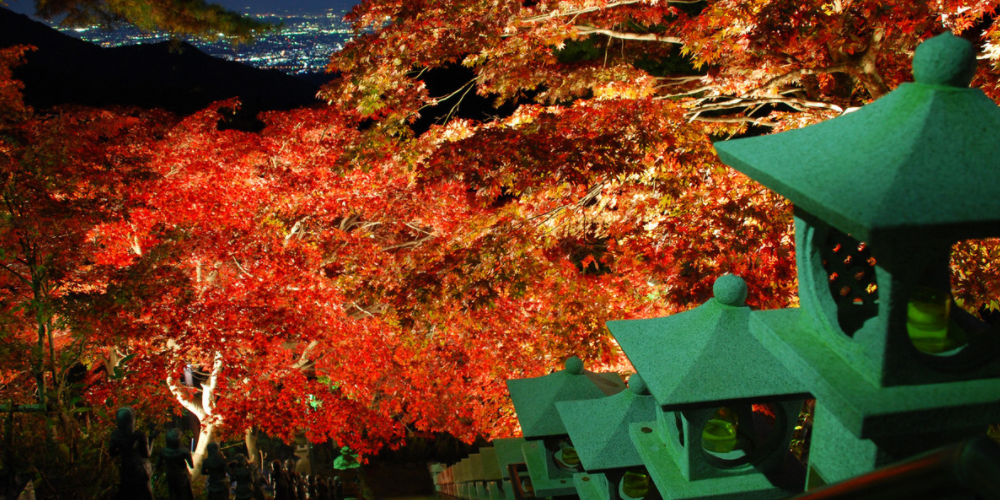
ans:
(201, 409)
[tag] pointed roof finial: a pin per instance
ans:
(944, 60)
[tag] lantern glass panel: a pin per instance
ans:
(635, 485)
(566, 457)
(739, 434)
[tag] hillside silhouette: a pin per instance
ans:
(173, 76)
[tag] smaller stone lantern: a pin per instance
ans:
(549, 454)
(881, 196)
(491, 474)
(726, 406)
(599, 429)
(507, 452)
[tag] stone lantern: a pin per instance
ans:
(492, 475)
(599, 429)
(548, 450)
(726, 408)
(881, 195)
(508, 451)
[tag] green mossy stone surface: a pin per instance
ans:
(705, 354)
(463, 471)
(476, 470)
(592, 486)
(546, 479)
(508, 451)
(535, 398)
(599, 427)
(491, 468)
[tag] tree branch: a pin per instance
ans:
(189, 404)
(738, 119)
(576, 12)
(208, 390)
(795, 75)
(746, 102)
(624, 35)
(304, 361)
(408, 243)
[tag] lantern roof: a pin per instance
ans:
(704, 355)
(599, 427)
(923, 156)
(535, 398)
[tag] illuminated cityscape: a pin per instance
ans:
(302, 44)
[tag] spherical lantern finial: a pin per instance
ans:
(944, 60)
(637, 385)
(574, 366)
(730, 290)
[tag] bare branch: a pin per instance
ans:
(738, 119)
(795, 75)
(682, 94)
(624, 35)
(295, 229)
(304, 361)
(408, 243)
(673, 81)
(746, 102)
(185, 401)
(242, 270)
(576, 12)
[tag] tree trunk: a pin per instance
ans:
(205, 435)
(253, 455)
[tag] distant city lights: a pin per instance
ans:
(302, 44)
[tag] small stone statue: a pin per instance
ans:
(135, 469)
(280, 480)
(215, 467)
(177, 460)
(243, 475)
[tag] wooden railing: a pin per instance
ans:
(971, 466)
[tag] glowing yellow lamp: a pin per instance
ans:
(927, 319)
(570, 457)
(635, 484)
(719, 435)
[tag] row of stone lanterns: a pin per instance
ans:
(881, 195)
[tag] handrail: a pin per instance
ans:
(968, 466)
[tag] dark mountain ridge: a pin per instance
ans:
(173, 76)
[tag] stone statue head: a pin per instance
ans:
(173, 438)
(125, 420)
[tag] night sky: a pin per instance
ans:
(252, 6)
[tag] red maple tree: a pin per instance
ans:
(339, 274)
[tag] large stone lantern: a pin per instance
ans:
(881, 195)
